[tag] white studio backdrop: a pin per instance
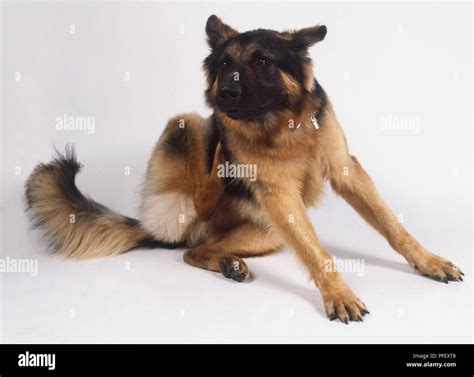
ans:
(400, 78)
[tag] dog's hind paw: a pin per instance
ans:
(233, 267)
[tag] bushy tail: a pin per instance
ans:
(75, 225)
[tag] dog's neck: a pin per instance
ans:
(266, 136)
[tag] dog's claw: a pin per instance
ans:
(343, 304)
(437, 268)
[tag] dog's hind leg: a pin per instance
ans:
(207, 187)
(224, 255)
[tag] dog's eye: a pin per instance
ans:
(263, 62)
(225, 63)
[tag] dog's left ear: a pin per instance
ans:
(305, 38)
(218, 32)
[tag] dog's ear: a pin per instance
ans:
(218, 32)
(304, 38)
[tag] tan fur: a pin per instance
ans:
(292, 166)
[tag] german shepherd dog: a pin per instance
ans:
(269, 113)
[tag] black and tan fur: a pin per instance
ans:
(222, 220)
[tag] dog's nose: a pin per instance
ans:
(229, 95)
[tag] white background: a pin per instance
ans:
(378, 60)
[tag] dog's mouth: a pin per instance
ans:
(244, 114)
(261, 110)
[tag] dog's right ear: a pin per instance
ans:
(218, 32)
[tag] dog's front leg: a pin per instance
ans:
(286, 211)
(358, 190)
(349, 179)
(356, 187)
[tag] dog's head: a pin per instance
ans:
(260, 72)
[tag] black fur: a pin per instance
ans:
(151, 243)
(260, 85)
(319, 93)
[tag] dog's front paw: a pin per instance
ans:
(233, 267)
(345, 305)
(437, 267)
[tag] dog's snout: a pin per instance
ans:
(229, 95)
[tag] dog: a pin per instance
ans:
(270, 116)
